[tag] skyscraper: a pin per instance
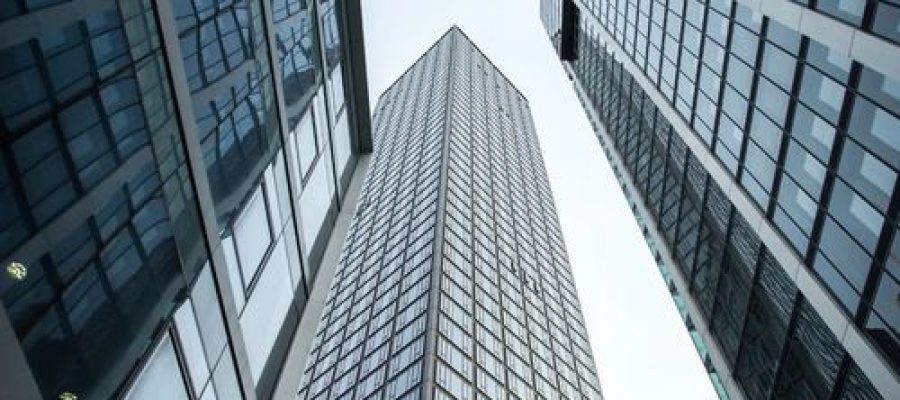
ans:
(171, 175)
(453, 282)
(759, 144)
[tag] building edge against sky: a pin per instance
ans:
(757, 143)
(171, 176)
(454, 279)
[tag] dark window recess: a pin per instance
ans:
(568, 48)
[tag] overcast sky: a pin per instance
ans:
(639, 342)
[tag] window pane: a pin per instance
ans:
(161, 378)
(266, 309)
(252, 235)
(191, 346)
(314, 204)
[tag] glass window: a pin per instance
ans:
(760, 166)
(882, 90)
(225, 378)
(266, 310)
(315, 201)
(778, 66)
(822, 94)
(850, 11)
(772, 100)
(234, 274)
(207, 309)
(336, 91)
(887, 20)
(816, 134)
(856, 215)
(161, 377)
(739, 75)
(877, 130)
(252, 235)
(805, 169)
(836, 283)
(851, 260)
(886, 304)
(191, 345)
(744, 44)
(787, 38)
(801, 210)
(828, 61)
(304, 136)
(766, 134)
(867, 174)
(341, 144)
(812, 358)
(735, 105)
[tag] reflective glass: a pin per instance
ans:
(252, 235)
(161, 377)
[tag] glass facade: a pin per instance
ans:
(801, 130)
(454, 281)
(171, 172)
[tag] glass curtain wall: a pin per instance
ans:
(106, 237)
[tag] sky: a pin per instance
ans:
(640, 344)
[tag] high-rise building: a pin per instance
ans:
(759, 144)
(171, 175)
(453, 282)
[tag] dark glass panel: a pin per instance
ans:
(812, 359)
(771, 305)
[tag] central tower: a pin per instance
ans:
(454, 280)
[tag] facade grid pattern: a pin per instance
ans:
(170, 174)
(479, 303)
(806, 133)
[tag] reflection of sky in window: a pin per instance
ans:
(251, 233)
(865, 214)
(159, 379)
(884, 127)
(270, 301)
(314, 203)
(877, 173)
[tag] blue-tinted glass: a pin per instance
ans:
(867, 174)
(816, 134)
(850, 11)
(828, 61)
(876, 129)
(778, 66)
(821, 94)
(882, 90)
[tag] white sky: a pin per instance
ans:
(640, 344)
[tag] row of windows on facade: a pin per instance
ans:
(750, 318)
(379, 290)
(866, 169)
